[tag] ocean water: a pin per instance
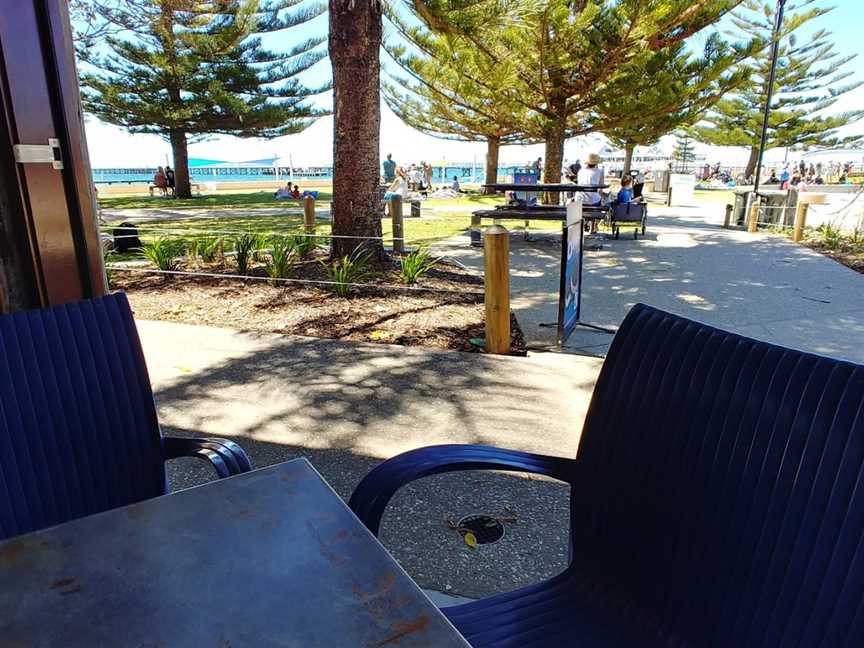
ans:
(439, 174)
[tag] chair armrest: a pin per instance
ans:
(372, 494)
(226, 457)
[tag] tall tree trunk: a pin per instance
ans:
(493, 144)
(628, 158)
(554, 159)
(355, 38)
(751, 162)
(180, 151)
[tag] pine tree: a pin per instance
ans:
(566, 54)
(191, 68)
(811, 76)
(450, 90)
(669, 90)
(684, 154)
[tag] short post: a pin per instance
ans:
(800, 220)
(496, 257)
(754, 215)
(728, 219)
(476, 231)
(309, 214)
(398, 226)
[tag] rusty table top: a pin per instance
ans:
(271, 557)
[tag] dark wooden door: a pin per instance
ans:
(49, 207)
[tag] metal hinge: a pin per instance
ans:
(40, 153)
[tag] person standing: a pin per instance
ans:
(784, 177)
(160, 181)
(169, 179)
(537, 166)
(389, 169)
(427, 175)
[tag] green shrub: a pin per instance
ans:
(163, 253)
(832, 237)
(258, 252)
(282, 254)
(209, 248)
(350, 269)
(304, 245)
(244, 249)
(416, 264)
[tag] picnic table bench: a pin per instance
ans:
(194, 186)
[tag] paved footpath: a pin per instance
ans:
(348, 406)
(759, 285)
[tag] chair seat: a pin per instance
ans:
(566, 610)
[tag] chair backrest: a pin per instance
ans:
(78, 433)
(721, 487)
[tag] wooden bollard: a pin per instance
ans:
(496, 257)
(754, 216)
(398, 224)
(728, 219)
(309, 214)
(805, 199)
(800, 220)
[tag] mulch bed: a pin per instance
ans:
(385, 314)
(851, 257)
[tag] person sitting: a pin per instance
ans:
(455, 186)
(625, 194)
(773, 179)
(398, 187)
(295, 193)
(592, 175)
(283, 192)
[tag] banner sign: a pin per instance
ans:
(569, 297)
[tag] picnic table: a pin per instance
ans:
(528, 213)
(269, 557)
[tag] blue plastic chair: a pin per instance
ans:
(78, 428)
(717, 499)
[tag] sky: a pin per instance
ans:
(112, 147)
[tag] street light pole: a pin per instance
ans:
(775, 52)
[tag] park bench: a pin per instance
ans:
(716, 499)
(527, 214)
(79, 432)
(194, 187)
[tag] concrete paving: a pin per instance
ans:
(760, 285)
(348, 406)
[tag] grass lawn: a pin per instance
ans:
(234, 200)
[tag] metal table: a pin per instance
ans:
(271, 557)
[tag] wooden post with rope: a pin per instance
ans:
(805, 199)
(398, 224)
(309, 214)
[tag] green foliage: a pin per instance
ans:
(416, 264)
(303, 245)
(210, 248)
(349, 269)
(183, 68)
(566, 62)
(283, 252)
(832, 237)
(244, 251)
(811, 77)
(163, 253)
(684, 154)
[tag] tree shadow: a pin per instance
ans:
(346, 407)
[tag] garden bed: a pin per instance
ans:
(847, 250)
(446, 317)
